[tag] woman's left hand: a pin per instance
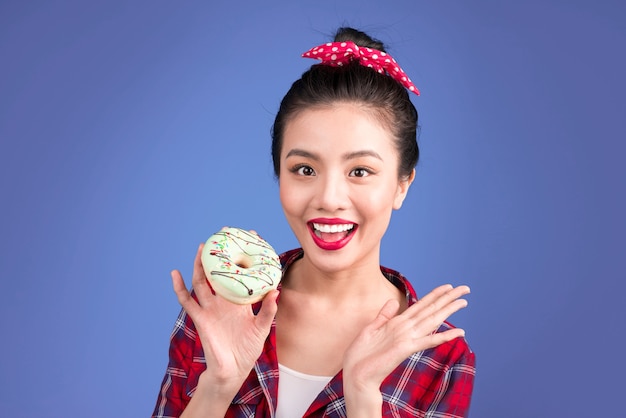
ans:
(391, 338)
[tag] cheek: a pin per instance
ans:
(290, 198)
(282, 193)
(382, 194)
(379, 201)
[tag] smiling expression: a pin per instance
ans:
(339, 184)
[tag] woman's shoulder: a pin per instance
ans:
(289, 257)
(402, 283)
(456, 348)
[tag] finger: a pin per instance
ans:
(437, 339)
(437, 299)
(268, 310)
(446, 291)
(179, 285)
(388, 311)
(451, 308)
(429, 324)
(428, 300)
(199, 281)
(452, 296)
(253, 231)
(184, 298)
(435, 294)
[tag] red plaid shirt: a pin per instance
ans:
(434, 383)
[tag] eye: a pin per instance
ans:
(360, 172)
(304, 170)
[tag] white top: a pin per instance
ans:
(297, 391)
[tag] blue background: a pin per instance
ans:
(131, 131)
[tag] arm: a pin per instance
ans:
(231, 337)
(183, 373)
(390, 339)
(172, 397)
(456, 388)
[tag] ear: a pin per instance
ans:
(403, 189)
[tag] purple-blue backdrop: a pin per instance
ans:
(131, 131)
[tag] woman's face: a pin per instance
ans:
(339, 184)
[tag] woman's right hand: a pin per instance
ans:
(391, 338)
(232, 336)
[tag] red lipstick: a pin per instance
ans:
(346, 236)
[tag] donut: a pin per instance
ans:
(240, 265)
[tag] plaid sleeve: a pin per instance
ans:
(181, 370)
(455, 391)
(435, 383)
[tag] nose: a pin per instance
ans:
(332, 193)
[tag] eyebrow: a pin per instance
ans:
(297, 152)
(348, 156)
(362, 153)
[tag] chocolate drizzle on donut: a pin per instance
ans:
(252, 240)
(238, 275)
(230, 274)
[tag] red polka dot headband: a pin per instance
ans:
(337, 54)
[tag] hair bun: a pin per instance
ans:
(362, 39)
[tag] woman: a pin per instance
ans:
(346, 337)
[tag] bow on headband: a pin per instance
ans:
(337, 54)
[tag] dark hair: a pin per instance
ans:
(324, 85)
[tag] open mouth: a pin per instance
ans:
(332, 234)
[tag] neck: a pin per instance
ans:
(359, 282)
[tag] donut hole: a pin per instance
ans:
(242, 260)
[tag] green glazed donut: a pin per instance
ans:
(240, 265)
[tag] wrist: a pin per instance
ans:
(362, 399)
(218, 390)
(210, 399)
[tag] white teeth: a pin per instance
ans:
(332, 228)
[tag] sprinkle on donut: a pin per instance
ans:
(240, 265)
